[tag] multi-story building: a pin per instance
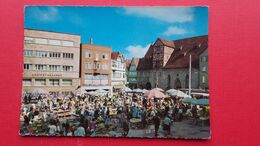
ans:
(118, 65)
(166, 63)
(128, 63)
(51, 61)
(203, 65)
(132, 73)
(95, 68)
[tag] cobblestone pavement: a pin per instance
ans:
(183, 129)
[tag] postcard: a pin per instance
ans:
(137, 72)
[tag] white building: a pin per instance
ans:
(118, 66)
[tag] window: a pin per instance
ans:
(87, 54)
(96, 66)
(40, 41)
(54, 82)
(204, 58)
(88, 76)
(67, 43)
(97, 56)
(27, 66)
(66, 82)
(105, 56)
(40, 82)
(104, 66)
(204, 68)
(67, 68)
(27, 82)
(40, 67)
(88, 65)
(28, 53)
(55, 42)
(67, 55)
(41, 54)
(28, 40)
(55, 55)
(54, 67)
(203, 79)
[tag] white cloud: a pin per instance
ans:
(50, 14)
(174, 30)
(166, 14)
(136, 50)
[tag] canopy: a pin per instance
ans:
(201, 94)
(138, 90)
(39, 91)
(155, 93)
(159, 89)
(202, 102)
(101, 91)
(178, 93)
(144, 90)
(126, 89)
(171, 91)
(189, 100)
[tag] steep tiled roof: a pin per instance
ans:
(180, 56)
(167, 42)
(114, 55)
(136, 61)
(184, 47)
(145, 64)
(128, 63)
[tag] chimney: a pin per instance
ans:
(91, 41)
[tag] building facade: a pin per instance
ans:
(51, 61)
(204, 70)
(132, 73)
(118, 67)
(95, 68)
(166, 63)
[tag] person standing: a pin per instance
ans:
(156, 122)
(125, 127)
(167, 126)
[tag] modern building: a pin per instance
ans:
(118, 66)
(51, 61)
(95, 71)
(166, 63)
(203, 65)
(132, 73)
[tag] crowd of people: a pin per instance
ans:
(85, 115)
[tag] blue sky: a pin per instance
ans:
(129, 30)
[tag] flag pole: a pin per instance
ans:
(190, 76)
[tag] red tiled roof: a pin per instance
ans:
(167, 42)
(180, 57)
(114, 55)
(128, 63)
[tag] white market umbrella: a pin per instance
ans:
(126, 89)
(171, 91)
(179, 94)
(144, 90)
(138, 90)
(101, 91)
(39, 91)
